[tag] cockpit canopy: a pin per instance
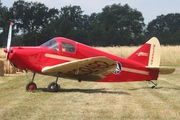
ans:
(65, 46)
(51, 44)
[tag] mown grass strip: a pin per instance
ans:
(88, 100)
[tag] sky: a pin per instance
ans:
(150, 9)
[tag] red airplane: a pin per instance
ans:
(65, 58)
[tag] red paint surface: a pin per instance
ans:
(35, 59)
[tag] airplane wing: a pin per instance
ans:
(90, 69)
(162, 69)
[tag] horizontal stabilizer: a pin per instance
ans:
(162, 69)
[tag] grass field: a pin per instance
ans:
(89, 100)
(93, 101)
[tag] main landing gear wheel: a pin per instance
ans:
(154, 85)
(53, 87)
(31, 86)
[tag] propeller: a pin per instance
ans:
(9, 40)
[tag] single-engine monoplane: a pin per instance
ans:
(66, 58)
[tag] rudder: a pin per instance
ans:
(148, 54)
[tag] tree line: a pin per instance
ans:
(116, 25)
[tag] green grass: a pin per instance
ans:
(89, 100)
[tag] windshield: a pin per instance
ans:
(52, 44)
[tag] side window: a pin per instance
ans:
(68, 47)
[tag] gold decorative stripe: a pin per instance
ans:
(135, 71)
(60, 57)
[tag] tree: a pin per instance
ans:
(3, 15)
(96, 31)
(166, 28)
(116, 25)
(72, 23)
(3, 24)
(122, 24)
(31, 17)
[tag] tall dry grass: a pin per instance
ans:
(169, 54)
(2, 54)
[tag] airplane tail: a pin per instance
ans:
(149, 55)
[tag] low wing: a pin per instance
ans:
(92, 68)
(162, 69)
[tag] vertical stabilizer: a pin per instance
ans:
(148, 54)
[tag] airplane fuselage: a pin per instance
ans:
(36, 58)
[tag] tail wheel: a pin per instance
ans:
(53, 87)
(31, 86)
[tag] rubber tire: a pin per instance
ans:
(153, 87)
(53, 87)
(31, 84)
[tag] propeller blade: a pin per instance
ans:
(9, 40)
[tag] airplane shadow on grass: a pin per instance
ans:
(86, 91)
(146, 88)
